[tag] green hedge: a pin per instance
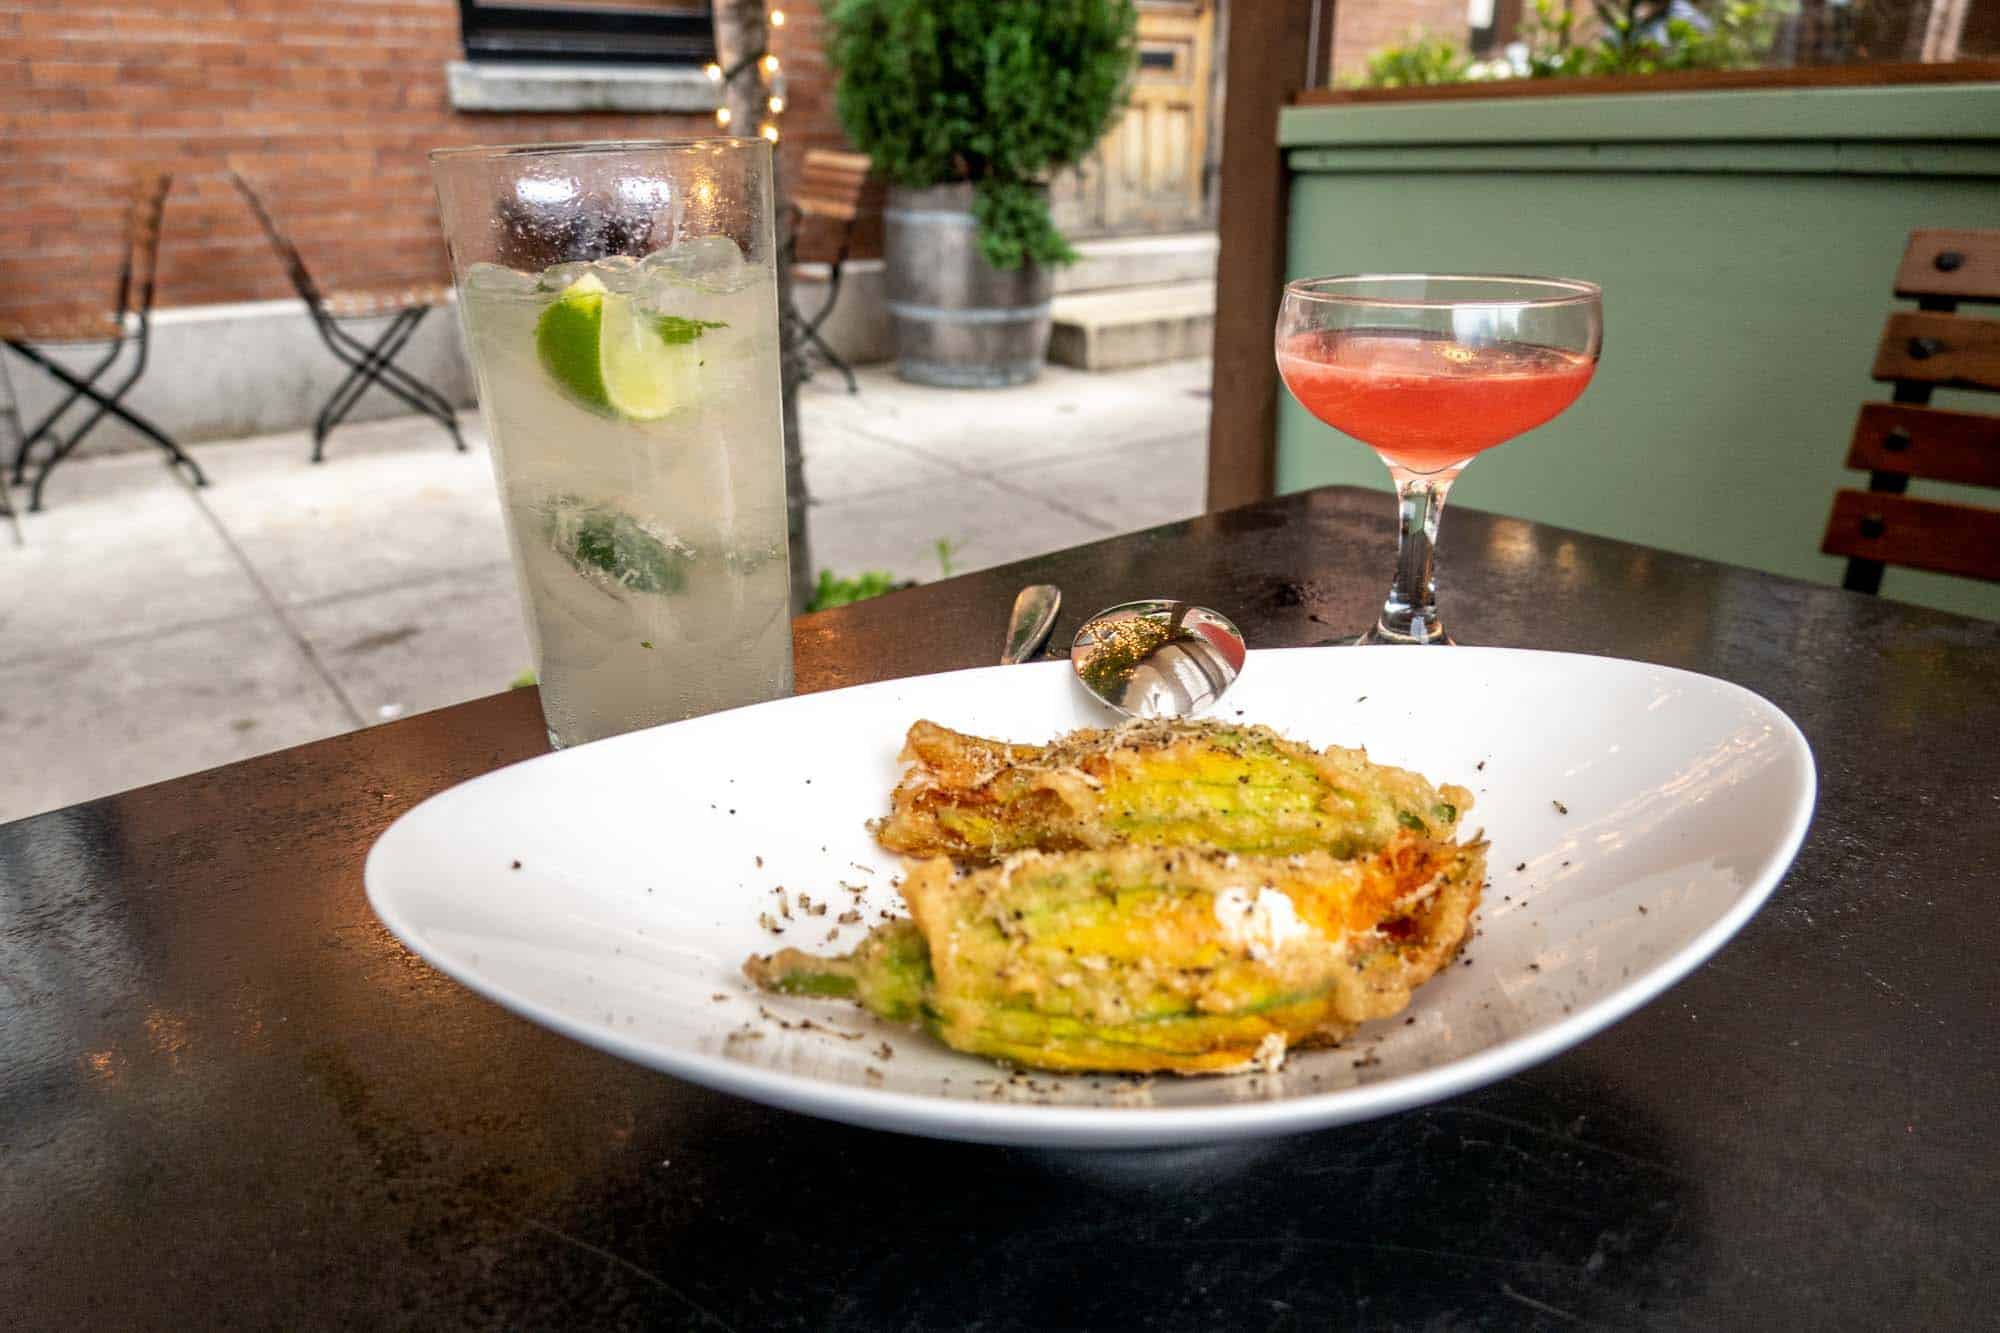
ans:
(997, 92)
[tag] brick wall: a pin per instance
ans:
(1362, 27)
(329, 107)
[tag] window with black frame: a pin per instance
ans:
(627, 31)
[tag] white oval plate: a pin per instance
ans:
(1639, 815)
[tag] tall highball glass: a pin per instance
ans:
(620, 304)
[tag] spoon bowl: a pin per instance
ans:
(1157, 658)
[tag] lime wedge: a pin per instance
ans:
(604, 353)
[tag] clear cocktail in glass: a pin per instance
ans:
(1430, 370)
(620, 305)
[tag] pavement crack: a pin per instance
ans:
(279, 612)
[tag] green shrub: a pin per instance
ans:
(1637, 37)
(833, 591)
(1425, 60)
(997, 92)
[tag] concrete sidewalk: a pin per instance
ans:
(149, 630)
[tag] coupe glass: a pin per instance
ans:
(1429, 370)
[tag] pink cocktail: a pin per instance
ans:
(1429, 371)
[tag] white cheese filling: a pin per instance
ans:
(1261, 921)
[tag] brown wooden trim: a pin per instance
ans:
(1927, 442)
(1680, 81)
(1950, 265)
(1945, 351)
(1916, 534)
(1267, 43)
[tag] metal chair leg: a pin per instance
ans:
(373, 365)
(106, 404)
(50, 418)
(809, 329)
(377, 366)
(362, 372)
(433, 404)
(833, 359)
(440, 406)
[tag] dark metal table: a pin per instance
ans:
(227, 1096)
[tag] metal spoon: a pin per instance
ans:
(1035, 608)
(1157, 658)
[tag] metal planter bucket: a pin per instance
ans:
(958, 321)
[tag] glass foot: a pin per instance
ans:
(1424, 633)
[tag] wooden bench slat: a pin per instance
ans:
(826, 206)
(1936, 535)
(1956, 351)
(835, 185)
(1955, 265)
(1927, 442)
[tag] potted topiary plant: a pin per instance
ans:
(967, 106)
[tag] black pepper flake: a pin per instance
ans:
(517, 865)
(1561, 809)
(760, 862)
(1362, 699)
(1642, 909)
(1519, 868)
(1565, 863)
(1479, 767)
(1534, 967)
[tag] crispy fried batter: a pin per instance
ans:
(1213, 785)
(1152, 959)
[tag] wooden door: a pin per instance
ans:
(1149, 173)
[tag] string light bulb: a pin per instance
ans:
(777, 18)
(777, 104)
(770, 64)
(714, 72)
(769, 131)
(723, 115)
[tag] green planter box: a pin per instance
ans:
(1746, 242)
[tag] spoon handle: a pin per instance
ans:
(1034, 616)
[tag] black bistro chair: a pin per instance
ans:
(836, 192)
(368, 363)
(126, 323)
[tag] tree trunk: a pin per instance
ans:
(740, 30)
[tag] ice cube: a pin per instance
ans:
(556, 277)
(499, 280)
(713, 262)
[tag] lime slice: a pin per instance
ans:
(611, 358)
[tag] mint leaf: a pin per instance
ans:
(604, 541)
(676, 331)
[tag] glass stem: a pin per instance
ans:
(1409, 615)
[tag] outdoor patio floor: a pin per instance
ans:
(148, 629)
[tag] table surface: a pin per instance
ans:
(228, 1095)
